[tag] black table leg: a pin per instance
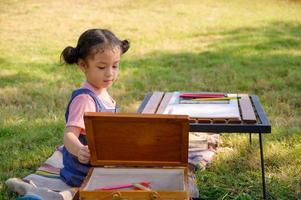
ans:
(262, 167)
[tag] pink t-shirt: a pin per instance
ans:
(84, 103)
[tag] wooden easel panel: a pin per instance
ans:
(153, 103)
(169, 183)
(215, 121)
(206, 121)
(159, 101)
(164, 102)
(137, 139)
(247, 112)
(234, 121)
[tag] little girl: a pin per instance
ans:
(97, 54)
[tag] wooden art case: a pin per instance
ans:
(131, 148)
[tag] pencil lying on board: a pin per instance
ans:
(128, 185)
(202, 95)
(141, 186)
(214, 99)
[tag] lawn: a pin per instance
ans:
(230, 46)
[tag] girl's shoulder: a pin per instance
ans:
(83, 102)
(82, 90)
(83, 95)
(83, 99)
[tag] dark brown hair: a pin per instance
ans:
(93, 39)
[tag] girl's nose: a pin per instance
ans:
(109, 72)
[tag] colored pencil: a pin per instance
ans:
(214, 99)
(129, 185)
(202, 95)
(141, 187)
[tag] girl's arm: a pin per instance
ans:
(74, 146)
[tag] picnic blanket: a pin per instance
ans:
(46, 184)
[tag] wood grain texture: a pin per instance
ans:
(134, 195)
(137, 139)
(182, 194)
(153, 103)
(247, 111)
(215, 120)
(166, 98)
(140, 140)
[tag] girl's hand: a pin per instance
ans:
(83, 155)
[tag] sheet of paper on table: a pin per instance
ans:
(203, 110)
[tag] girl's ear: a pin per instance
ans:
(82, 65)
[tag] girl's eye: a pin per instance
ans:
(115, 66)
(101, 67)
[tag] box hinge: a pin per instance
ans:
(116, 196)
(154, 196)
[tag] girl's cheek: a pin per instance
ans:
(116, 72)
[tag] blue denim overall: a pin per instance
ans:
(74, 172)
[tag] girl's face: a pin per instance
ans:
(101, 70)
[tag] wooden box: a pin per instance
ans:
(130, 148)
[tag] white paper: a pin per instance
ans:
(159, 178)
(204, 110)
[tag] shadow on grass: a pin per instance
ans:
(264, 61)
(236, 174)
(254, 60)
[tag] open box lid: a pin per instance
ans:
(118, 139)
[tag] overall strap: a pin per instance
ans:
(80, 91)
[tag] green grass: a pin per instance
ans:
(231, 46)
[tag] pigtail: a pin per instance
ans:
(125, 45)
(90, 40)
(69, 55)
